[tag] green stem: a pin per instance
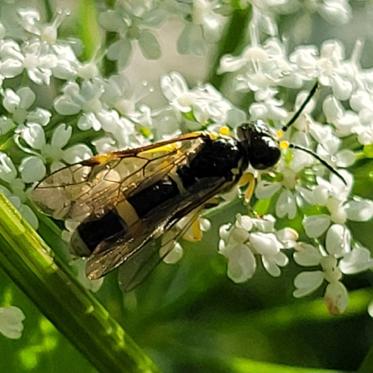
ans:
(234, 35)
(89, 30)
(72, 309)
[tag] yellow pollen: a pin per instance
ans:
(225, 131)
(196, 230)
(284, 145)
(280, 134)
(248, 179)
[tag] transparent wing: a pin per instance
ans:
(139, 254)
(94, 186)
(135, 270)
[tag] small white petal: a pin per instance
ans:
(342, 88)
(307, 255)
(88, 121)
(61, 136)
(244, 221)
(336, 11)
(265, 243)
(11, 100)
(191, 40)
(174, 255)
(7, 170)
(265, 190)
(77, 153)
(241, 264)
(316, 225)
(285, 205)
(149, 45)
(32, 169)
(287, 236)
(336, 298)
(272, 263)
(307, 282)
(345, 158)
(27, 97)
(111, 21)
(359, 210)
(29, 215)
(66, 106)
(265, 224)
(78, 266)
(358, 260)
(338, 240)
(173, 85)
(34, 135)
(333, 109)
(11, 319)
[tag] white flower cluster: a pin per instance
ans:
(298, 188)
(57, 110)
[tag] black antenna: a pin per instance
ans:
(322, 161)
(299, 111)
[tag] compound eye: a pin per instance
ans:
(264, 153)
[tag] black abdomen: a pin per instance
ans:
(153, 196)
(92, 232)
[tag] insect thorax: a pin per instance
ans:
(220, 158)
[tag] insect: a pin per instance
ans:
(129, 202)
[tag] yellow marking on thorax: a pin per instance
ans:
(127, 212)
(164, 148)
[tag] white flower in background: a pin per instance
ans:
(205, 102)
(334, 196)
(11, 322)
(119, 95)
(15, 189)
(329, 145)
(38, 62)
(10, 59)
(18, 104)
(345, 122)
(266, 106)
(246, 238)
(288, 187)
(361, 101)
(45, 36)
(121, 130)
(126, 100)
(329, 67)
(336, 259)
(30, 20)
(56, 153)
(287, 201)
(86, 99)
(260, 67)
(133, 21)
(335, 11)
(203, 25)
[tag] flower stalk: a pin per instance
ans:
(74, 311)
